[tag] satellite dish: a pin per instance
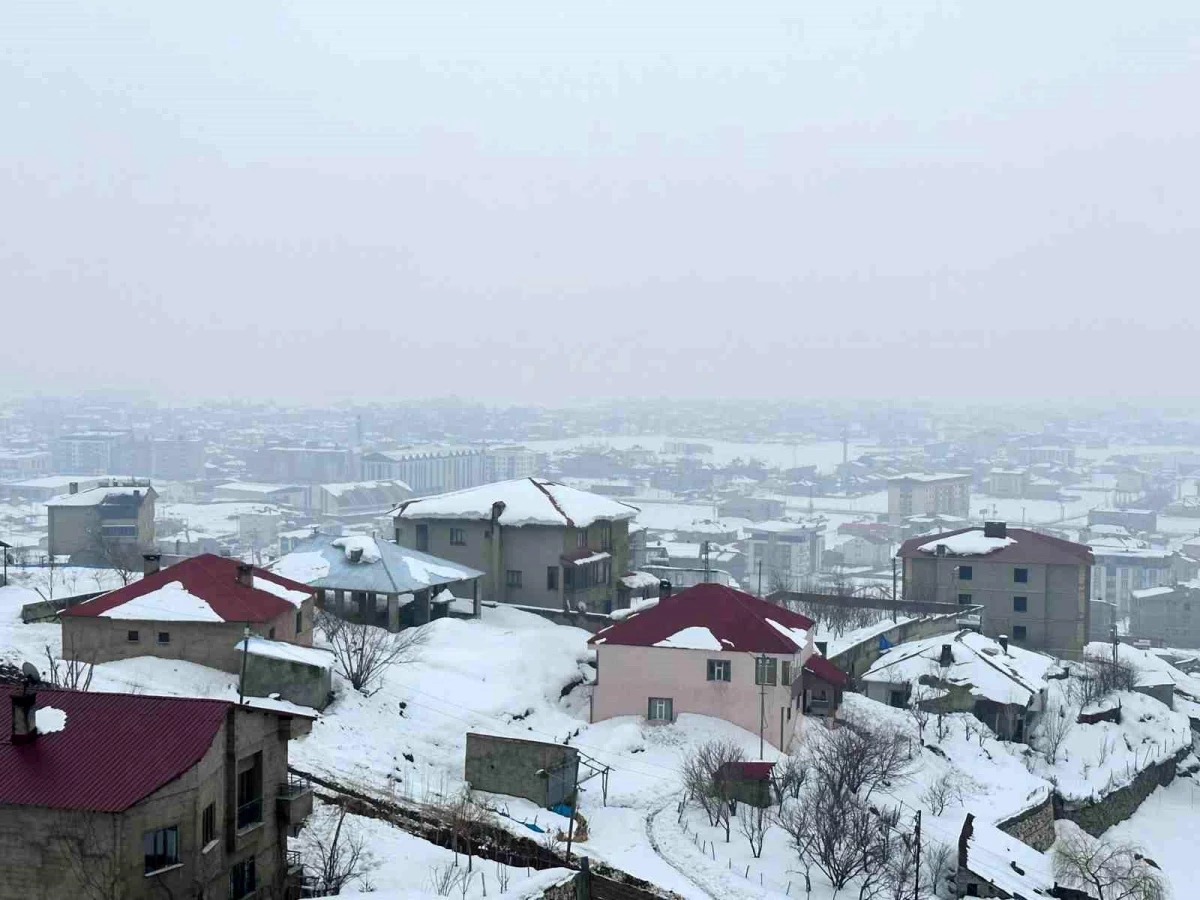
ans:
(32, 675)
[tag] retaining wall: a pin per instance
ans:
(1034, 827)
(1097, 817)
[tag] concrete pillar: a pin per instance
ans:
(339, 601)
(422, 602)
(476, 609)
(393, 613)
(366, 607)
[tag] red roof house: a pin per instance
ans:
(196, 610)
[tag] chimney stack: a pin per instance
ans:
(941, 550)
(1003, 643)
(664, 589)
(151, 563)
(24, 717)
(995, 529)
(947, 658)
(356, 554)
(245, 574)
(73, 487)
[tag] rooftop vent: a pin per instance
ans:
(1003, 639)
(995, 529)
(947, 657)
(151, 563)
(245, 574)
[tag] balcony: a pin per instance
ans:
(249, 814)
(294, 801)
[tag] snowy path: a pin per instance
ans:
(651, 818)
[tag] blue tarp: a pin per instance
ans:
(884, 643)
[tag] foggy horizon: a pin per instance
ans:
(318, 203)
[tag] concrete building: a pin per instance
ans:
(1119, 571)
(94, 453)
(1008, 482)
(915, 494)
(115, 795)
(1032, 587)
(539, 542)
(545, 773)
(871, 550)
(1167, 616)
(428, 470)
(708, 650)
(49, 486)
(1135, 520)
(375, 581)
(293, 495)
(196, 610)
(307, 465)
(786, 554)
(759, 509)
(507, 463)
(358, 501)
(23, 464)
(112, 523)
(176, 459)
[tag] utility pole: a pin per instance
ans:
(762, 701)
(894, 607)
(917, 876)
(760, 576)
(1115, 644)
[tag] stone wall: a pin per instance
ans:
(856, 659)
(1034, 827)
(1097, 817)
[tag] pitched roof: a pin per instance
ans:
(383, 567)
(201, 589)
(824, 669)
(527, 501)
(1027, 547)
(117, 495)
(114, 749)
(736, 621)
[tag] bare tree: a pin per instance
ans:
(73, 674)
(918, 707)
(364, 652)
(949, 787)
(334, 851)
(89, 844)
(856, 760)
(788, 776)
(754, 823)
(939, 861)
(466, 820)
(706, 780)
(1056, 723)
(1112, 871)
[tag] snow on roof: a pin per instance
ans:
(1005, 862)
(968, 543)
(359, 548)
(918, 476)
(590, 558)
(1151, 592)
(309, 656)
(979, 664)
(256, 487)
(799, 635)
(303, 566)
(527, 501)
(284, 593)
(384, 568)
(96, 496)
(694, 637)
(170, 603)
(340, 488)
(1024, 547)
(637, 581)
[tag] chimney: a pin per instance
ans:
(73, 487)
(947, 658)
(995, 529)
(151, 563)
(941, 549)
(664, 589)
(245, 574)
(24, 717)
(1003, 643)
(356, 554)
(822, 647)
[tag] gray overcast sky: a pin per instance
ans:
(540, 201)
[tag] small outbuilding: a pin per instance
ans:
(547, 774)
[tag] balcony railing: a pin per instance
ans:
(250, 813)
(294, 786)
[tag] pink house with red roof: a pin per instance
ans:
(138, 796)
(196, 610)
(708, 650)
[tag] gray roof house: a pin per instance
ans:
(377, 581)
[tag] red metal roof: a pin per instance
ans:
(737, 619)
(115, 749)
(1030, 547)
(747, 771)
(824, 669)
(211, 578)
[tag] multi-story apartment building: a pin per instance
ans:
(307, 465)
(1168, 616)
(94, 453)
(507, 463)
(1120, 571)
(19, 464)
(111, 523)
(539, 543)
(1034, 588)
(915, 494)
(116, 795)
(786, 554)
(427, 471)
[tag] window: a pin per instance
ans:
(1019, 633)
(160, 849)
(972, 890)
(964, 599)
(661, 709)
(164, 637)
(552, 578)
(1020, 604)
(512, 578)
(132, 636)
(581, 538)
(896, 699)
(299, 621)
(458, 537)
(271, 634)
(242, 879)
(605, 536)
(423, 538)
(1021, 576)
(965, 573)
(720, 670)
(208, 825)
(785, 672)
(764, 670)
(1110, 571)
(249, 791)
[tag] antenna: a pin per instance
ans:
(32, 675)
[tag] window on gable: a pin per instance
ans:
(299, 621)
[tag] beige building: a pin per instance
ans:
(112, 523)
(1032, 587)
(116, 795)
(539, 543)
(915, 494)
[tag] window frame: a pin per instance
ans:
(668, 703)
(421, 537)
(208, 825)
(785, 672)
(248, 805)
(766, 671)
(581, 539)
(1020, 604)
(552, 578)
(154, 861)
(458, 537)
(300, 621)
(163, 638)
(1022, 637)
(966, 573)
(967, 602)
(1020, 575)
(719, 670)
(243, 873)
(133, 636)
(510, 581)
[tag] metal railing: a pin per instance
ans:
(294, 786)
(250, 813)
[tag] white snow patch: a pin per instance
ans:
(304, 566)
(428, 572)
(170, 603)
(695, 637)
(969, 543)
(365, 543)
(798, 636)
(50, 719)
(293, 597)
(309, 656)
